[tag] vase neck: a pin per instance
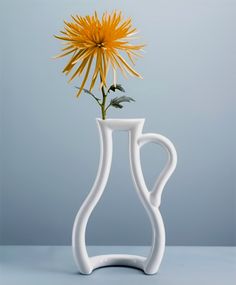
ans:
(121, 124)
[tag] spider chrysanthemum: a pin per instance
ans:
(102, 41)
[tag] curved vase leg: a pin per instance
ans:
(78, 234)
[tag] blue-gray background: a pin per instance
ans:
(49, 141)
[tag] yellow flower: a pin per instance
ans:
(88, 38)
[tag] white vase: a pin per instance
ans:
(151, 200)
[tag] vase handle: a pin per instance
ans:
(156, 191)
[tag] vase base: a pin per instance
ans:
(125, 260)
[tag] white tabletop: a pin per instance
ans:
(42, 265)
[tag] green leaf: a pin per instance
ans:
(90, 93)
(116, 87)
(86, 91)
(116, 102)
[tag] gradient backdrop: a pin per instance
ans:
(49, 142)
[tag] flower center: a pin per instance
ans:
(100, 45)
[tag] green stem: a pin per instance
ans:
(103, 104)
(96, 99)
(107, 107)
